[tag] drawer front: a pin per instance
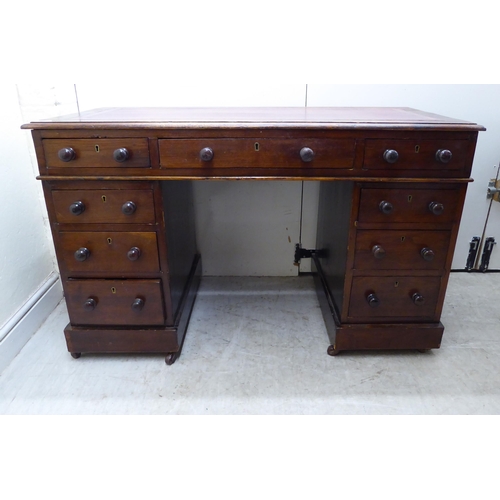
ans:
(110, 252)
(114, 302)
(96, 153)
(406, 249)
(408, 205)
(104, 206)
(257, 153)
(397, 298)
(414, 154)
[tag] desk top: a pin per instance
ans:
(371, 118)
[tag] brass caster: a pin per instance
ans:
(332, 351)
(171, 358)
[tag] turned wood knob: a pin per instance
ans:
(378, 252)
(77, 208)
(128, 208)
(427, 254)
(385, 207)
(138, 304)
(418, 299)
(436, 208)
(206, 154)
(66, 154)
(134, 253)
(443, 155)
(121, 154)
(90, 304)
(391, 155)
(372, 300)
(82, 254)
(307, 154)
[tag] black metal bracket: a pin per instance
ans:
(473, 248)
(485, 257)
(302, 253)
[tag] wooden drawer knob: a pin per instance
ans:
(128, 208)
(306, 154)
(391, 155)
(66, 154)
(378, 252)
(436, 208)
(206, 154)
(418, 299)
(121, 155)
(77, 208)
(372, 300)
(385, 207)
(82, 254)
(134, 253)
(427, 254)
(443, 155)
(90, 304)
(138, 304)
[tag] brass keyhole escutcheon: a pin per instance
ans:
(109, 240)
(417, 149)
(396, 284)
(97, 148)
(403, 238)
(256, 146)
(113, 289)
(410, 198)
(103, 198)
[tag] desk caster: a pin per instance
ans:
(76, 355)
(171, 358)
(332, 351)
(424, 350)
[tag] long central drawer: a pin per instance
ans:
(257, 153)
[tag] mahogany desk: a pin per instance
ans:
(118, 188)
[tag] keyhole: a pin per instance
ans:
(403, 238)
(417, 149)
(396, 284)
(113, 289)
(109, 241)
(103, 198)
(97, 148)
(410, 197)
(256, 146)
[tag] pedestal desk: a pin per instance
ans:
(118, 189)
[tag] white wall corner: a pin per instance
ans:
(16, 332)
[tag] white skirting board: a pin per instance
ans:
(16, 332)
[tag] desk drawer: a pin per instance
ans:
(133, 206)
(98, 153)
(257, 153)
(114, 302)
(394, 298)
(108, 252)
(406, 249)
(415, 154)
(408, 205)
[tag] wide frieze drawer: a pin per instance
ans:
(416, 154)
(389, 205)
(401, 249)
(257, 153)
(108, 252)
(394, 298)
(97, 153)
(83, 206)
(115, 302)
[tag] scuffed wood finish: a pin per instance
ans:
(393, 184)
